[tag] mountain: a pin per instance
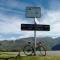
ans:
(20, 43)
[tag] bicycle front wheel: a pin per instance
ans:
(41, 50)
(27, 50)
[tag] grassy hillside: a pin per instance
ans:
(7, 45)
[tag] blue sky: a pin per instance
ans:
(12, 15)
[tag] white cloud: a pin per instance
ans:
(56, 28)
(53, 19)
(13, 25)
(10, 24)
(26, 34)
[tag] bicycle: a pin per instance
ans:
(29, 50)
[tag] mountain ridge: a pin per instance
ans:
(20, 43)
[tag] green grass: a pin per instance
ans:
(7, 55)
(36, 58)
(40, 58)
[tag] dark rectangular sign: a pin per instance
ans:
(32, 27)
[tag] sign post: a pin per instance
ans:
(35, 39)
(34, 12)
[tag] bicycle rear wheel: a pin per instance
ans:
(41, 50)
(28, 50)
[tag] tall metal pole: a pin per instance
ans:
(34, 39)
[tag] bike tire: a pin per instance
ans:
(28, 50)
(42, 50)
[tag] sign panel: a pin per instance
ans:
(33, 12)
(32, 27)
